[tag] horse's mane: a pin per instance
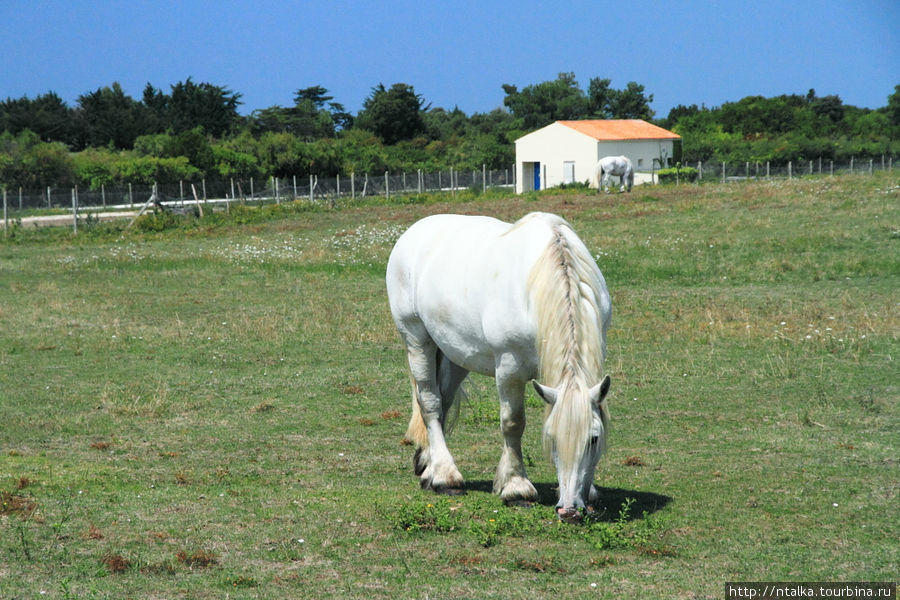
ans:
(567, 295)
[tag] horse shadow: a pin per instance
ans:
(612, 500)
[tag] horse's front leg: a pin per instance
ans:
(438, 469)
(511, 482)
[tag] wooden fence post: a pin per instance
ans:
(74, 212)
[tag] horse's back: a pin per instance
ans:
(462, 280)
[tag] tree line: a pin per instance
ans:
(194, 130)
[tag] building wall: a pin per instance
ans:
(552, 147)
(563, 153)
(641, 152)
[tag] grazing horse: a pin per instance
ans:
(521, 302)
(619, 166)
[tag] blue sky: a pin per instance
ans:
(454, 53)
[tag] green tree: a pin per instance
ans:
(157, 105)
(194, 146)
(191, 105)
(95, 167)
(893, 112)
(27, 161)
(393, 114)
(756, 115)
(600, 98)
(541, 104)
(320, 100)
(441, 124)
(361, 152)
(631, 103)
(47, 116)
(109, 117)
(562, 99)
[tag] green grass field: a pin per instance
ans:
(217, 410)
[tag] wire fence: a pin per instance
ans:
(712, 171)
(331, 190)
(274, 189)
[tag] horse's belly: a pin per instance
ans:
(459, 338)
(470, 359)
(476, 338)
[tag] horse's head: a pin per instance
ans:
(575, 437)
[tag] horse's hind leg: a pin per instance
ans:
(434, 463)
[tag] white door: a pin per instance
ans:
(569, 171)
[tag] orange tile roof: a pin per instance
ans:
(621, 129)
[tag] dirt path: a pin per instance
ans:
(64, 220)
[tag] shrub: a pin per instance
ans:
(156, 221)
(679, 174)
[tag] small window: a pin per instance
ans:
(640, 162)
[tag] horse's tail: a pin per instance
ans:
(598, 174)
(416, 432)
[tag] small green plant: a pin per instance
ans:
(625, 531)
(240, 581)
(437, 516)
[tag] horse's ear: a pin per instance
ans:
(547, 393)
(599, 391)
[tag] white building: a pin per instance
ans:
(568, 151)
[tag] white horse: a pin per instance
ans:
(520, 302)
(619, 166)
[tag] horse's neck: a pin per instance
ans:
(567, 327)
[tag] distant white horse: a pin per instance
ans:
(619, 166)
(518, 302)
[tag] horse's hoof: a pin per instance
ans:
(519, 503)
